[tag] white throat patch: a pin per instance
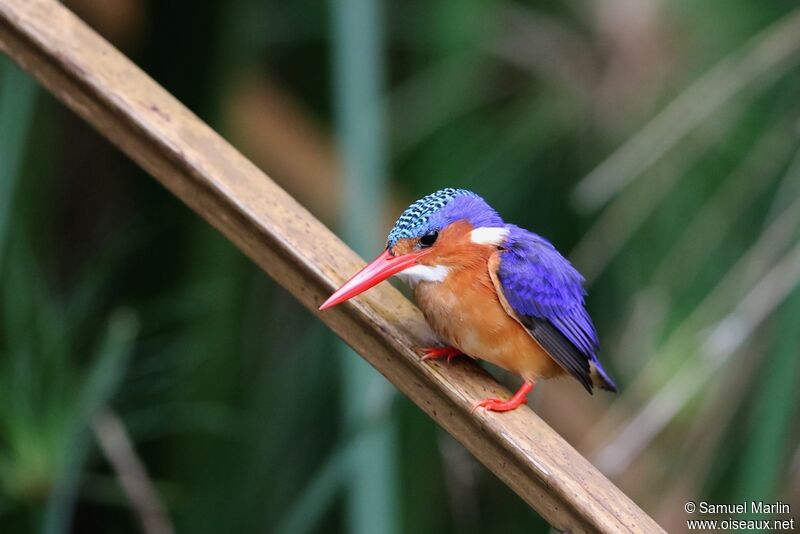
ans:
(423, 273)
(489, 235)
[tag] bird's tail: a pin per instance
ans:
(600, 378)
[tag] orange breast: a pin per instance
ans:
(464, 310)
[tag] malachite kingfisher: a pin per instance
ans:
(490, 290)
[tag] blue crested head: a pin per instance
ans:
(434, 212)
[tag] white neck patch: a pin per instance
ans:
(423, 273)
(489, 235)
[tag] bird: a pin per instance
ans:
(490, 290)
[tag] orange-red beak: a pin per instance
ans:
(376, 271)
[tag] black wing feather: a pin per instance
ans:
(560, 349)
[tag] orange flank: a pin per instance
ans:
(465, 311)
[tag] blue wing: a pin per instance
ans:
(547, 294)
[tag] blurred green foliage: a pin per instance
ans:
(656, 142)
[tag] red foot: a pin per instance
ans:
(431, 353)
(497, 405)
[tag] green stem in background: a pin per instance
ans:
(17, 95)
(755, 66)
(774, 413)
(305, 513)
(371, 503)
(97, 388)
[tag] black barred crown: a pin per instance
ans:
(414, 220)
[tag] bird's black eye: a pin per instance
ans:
(428, 239)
